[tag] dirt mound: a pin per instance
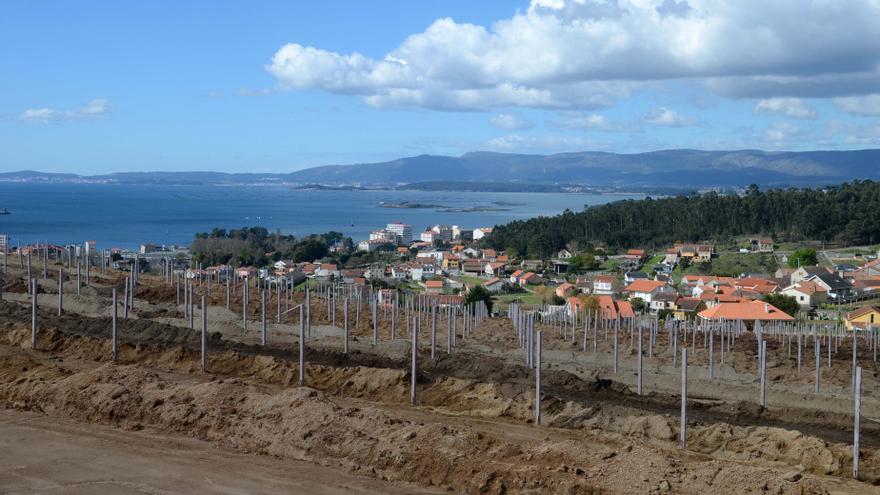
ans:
(304, 423)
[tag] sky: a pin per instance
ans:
(273, 86)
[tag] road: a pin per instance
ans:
(40, 454)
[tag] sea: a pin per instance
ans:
(126, 216)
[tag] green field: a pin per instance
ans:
(731, 265)
(525, 298)
(469, 279)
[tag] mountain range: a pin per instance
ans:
(682, 168)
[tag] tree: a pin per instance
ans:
(844, 213)
(787, 304)
(803, 257)
(477, 294)
(638, 304)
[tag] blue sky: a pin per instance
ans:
(94, 87)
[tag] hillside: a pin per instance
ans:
(680, 169)
(845, 213)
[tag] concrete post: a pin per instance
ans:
(857, 417)
(125, 301)
(345, 325)
(263, 318)
(682, 430)
(711, 353)
(192, 317)
(763, 363)
(538, 379)
(415, 355)
(60, 291)
(433, 331)
(308, 310)
(244, 304)
(204, 336)
(616, 331)
(302, 348)
(639, 372)
(113, 327)
(33, 283)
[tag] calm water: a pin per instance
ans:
(126, 215)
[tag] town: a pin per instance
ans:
(751, 280)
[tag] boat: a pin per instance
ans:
(4, 211)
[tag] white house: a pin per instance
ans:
(494, 284)
(807, 293)
(604, 285)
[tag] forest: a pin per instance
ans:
(256, 246)
(846, 214)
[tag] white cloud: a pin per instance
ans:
(782, 133)
(253, 92)
(868, 105)
(540, 144)
(93, 109)
(590, 122)
(790, 107)
(589, 53)
(665, 117)
(509, 122)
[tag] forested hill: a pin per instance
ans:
(848, 213)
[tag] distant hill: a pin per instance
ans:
(681, 169)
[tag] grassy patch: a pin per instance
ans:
(469, 279)
(524, 298)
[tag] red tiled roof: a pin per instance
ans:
(644, 286)
(751, 311)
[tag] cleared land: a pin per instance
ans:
(471, 431)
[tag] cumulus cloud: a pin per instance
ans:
(587, 54)
(509, 122)
(664, 117)
(790, 107)
(93, 109)
(868, 105)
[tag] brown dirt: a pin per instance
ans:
(471, 432)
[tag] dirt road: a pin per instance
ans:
(39, 454)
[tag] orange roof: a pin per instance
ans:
(492, 281)
(761, 285)
(529, 275)
(516, 273)
(434, 284)
(644, 286)
(862, 311)
(612, 309)
(635, 252)
(808, 287)
(751, 311)
(606, 278)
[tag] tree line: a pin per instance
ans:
(847, 213)
(256, 246)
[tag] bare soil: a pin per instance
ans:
(472, 430)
